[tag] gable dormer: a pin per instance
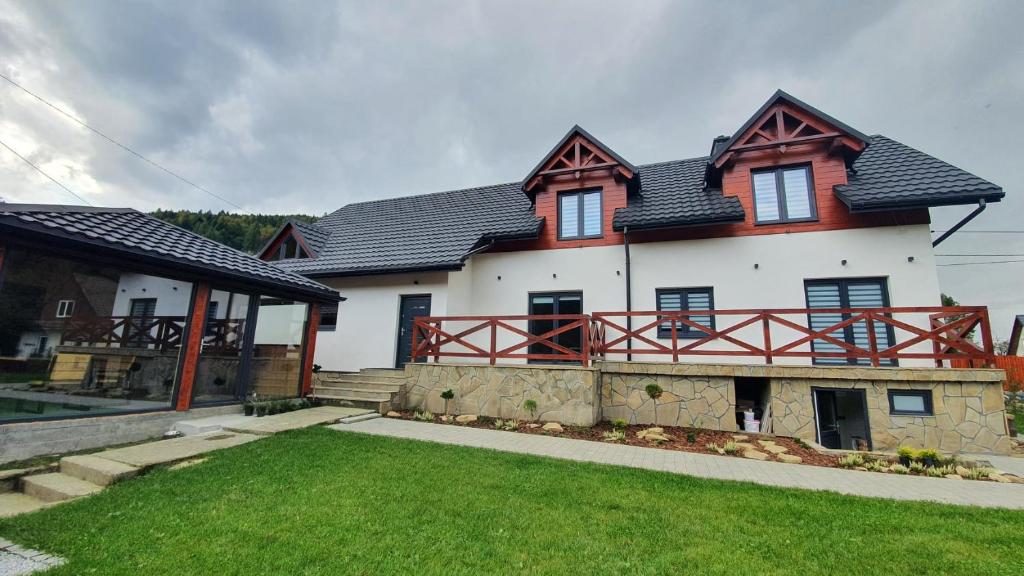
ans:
(576, 189)
(289, 243)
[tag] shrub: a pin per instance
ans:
(691, 436)
(654, 391)
(447, 395)
(619, 424)
(877, 466)
(851, 461)
(899, 469)
(917, 467)
(712, 447)
(531, 407)
(730, 447)
(614, 435)
(425, 416)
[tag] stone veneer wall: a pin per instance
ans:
(969, 411)
(563, 394)
(687, 399)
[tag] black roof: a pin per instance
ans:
(439, 231)
(577, 129)
(890, 175)
(127, 232)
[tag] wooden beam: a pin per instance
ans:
(307, 363)
(590, 168)
(193, 345)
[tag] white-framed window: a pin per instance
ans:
(784, 194)
(65, 308)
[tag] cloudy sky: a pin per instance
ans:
(306, 106)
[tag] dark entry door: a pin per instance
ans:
(555, 303)
(828, 419)
(411, 307)
(842, 417)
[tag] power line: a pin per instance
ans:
(40, 170)
(118, 144)
(980, 263)
(984, 231)
(977, 255)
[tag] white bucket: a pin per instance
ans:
(748, 415)
(751, 425)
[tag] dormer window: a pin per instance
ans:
(784, 195)
(580, 215)
(289, 249)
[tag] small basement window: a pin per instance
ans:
(911, 403)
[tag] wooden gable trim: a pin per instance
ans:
(576, 154)
(286, 231)
(784, 125)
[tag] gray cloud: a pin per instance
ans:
(285, 107)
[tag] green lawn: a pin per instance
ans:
(318, 501)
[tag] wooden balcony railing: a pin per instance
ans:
(434, 336)
(875, 336)
(147, 332)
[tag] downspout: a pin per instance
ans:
(629, 293)
(959, 225)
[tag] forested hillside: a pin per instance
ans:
(246, 232)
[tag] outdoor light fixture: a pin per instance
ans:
(499, 278)
(554, 275)
(416, 282)
(844, 262)
(756, 265)
(910, 258)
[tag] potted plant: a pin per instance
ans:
(261, 409)
(928, 457)
(447, 395)
(906, 454)
(248, 409)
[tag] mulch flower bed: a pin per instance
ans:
(678, 437)
(703, 441)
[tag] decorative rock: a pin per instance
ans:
(999, 478)
(954, 476)
(961, 471)
(755, 455)
(775, 448)
(533, 425)
(552, 427)
(766, 443)
(655, 437)
(465, 418)
(745, 446)
(654, 430)
(393, 414)
(740, 438)
(789, 458)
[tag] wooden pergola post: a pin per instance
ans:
(193, 345)
(307, 363)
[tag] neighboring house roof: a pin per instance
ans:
(1015, 334)
(129, 232)
(313, 237)
(890, 175)
(433, 231)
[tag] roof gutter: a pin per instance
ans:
(962, 223)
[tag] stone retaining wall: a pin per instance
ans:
(704, 401)
(563, 394)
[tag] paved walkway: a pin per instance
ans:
(963, 492)
(18, 561)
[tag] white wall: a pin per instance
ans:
(172, 296)
(367, 330)
(500, 284)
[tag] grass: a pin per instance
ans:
(317, 501)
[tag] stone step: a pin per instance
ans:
(15, 503)
(346, 394)
(394, 372)
(377, 406)
(57, 487)
(398, 378)
(359, 418)
(369, 385)
(99, 471)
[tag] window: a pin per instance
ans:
(911, 402)
(289, 249)
(555, 303)
(784, 195)
(686, 299)
(847, 293)
(579, 215)
(328, 317)
(65, 309)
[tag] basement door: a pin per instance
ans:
(545, 303)
(410, 308)
(841, 416)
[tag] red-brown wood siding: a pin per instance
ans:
(307, 362)
(286, 233)
(193, 346)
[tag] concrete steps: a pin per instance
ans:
(15, 503)
(96, 470)
(57, 487)
(379, 389)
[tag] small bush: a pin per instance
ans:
(712, 447)
(917, 467)
(531, 407)
(730, 447)
(691, 436)
(851, 461)
(425, 416)
(877, 466)
(614, 435)
(619, 424)
(899, 469)
(654, 391)
(906, 452)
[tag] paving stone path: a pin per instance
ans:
(17, 561)
(962, 492)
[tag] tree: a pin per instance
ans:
(245, 232)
